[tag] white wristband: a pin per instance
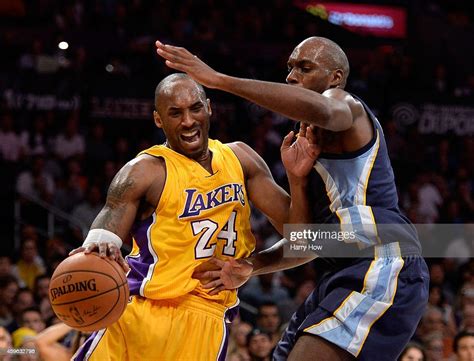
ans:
(100, 235)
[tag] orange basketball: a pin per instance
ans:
(88, 292)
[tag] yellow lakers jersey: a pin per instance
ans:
(199, 215)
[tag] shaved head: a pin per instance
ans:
(165, 87)
(328, 53)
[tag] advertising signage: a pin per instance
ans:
(382, 21)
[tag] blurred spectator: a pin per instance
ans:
(259, 345)
(37, 182)
(31, 318)
(429, 199)
(37, 141)
(98, 151)
(5, 266)
(5, 343)
(70, 190)
(30, 265)
(467, 318)
(269, 320)
(86, 211)
(435, 347)
(8, 290)
(413, 352)
(69, 142)
(11, 144)
(463, 346)
(23, 300)
(237, 349)
(262, 289)
(41, 296)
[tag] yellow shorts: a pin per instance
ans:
(184, 328)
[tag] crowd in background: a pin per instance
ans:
(65, 157)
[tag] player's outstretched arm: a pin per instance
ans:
(332, 110)
(113, 223)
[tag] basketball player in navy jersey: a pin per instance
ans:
(365, 307)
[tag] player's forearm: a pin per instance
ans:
(299, 211)
(273, 260)
(296, 103)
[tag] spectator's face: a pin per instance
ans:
(33, 320)
(437, 274)
(5, 266)
(466, 349)
(434, 321)
(269, 318)
(468, 317)
(413, 354)
(241, 332)
(435, 296)
(434, 350)
(260, 346)
(42, 289)
(24, 300)
(7, 294)
(184, 114)
(5, 339)
(29, 251)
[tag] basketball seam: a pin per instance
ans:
(117, 287)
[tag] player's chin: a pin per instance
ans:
(193, 149)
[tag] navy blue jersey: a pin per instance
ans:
(357, 190)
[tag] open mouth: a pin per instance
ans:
(191, 137)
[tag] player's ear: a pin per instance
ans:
(336, 78)
(157, 118)
(209, 109)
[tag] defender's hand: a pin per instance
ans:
(223, 275)
(109, 250)
(181, 59)
(299, 157)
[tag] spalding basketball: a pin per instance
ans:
(88, 292)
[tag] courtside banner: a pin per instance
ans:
(383, 21)
(360, 240)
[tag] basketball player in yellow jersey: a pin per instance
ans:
(183, 202)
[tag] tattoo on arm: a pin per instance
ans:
(111, 216)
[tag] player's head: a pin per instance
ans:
(318, 64)
(464, 346)
(183, 111)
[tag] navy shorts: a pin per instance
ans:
(370, 308)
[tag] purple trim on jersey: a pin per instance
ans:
(81, 354)
(223, 352)
(229, 316)
(140, 264)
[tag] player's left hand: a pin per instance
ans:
(181, 59)
(218, 275)
(299, 157)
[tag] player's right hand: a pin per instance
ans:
(224, 275)
(183, 60)
(298, 156)
(105, 249)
